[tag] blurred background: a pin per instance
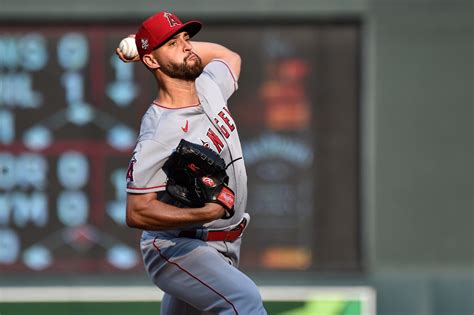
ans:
(356, 121)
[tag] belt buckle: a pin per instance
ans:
(204, 235)
(201, 234)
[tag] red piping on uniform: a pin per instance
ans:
(146, 188)
(162, 106)
(193, 276)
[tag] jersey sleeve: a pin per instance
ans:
(221, 73)
(145, 172)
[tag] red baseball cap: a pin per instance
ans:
(159, 28)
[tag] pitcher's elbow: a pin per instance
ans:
(130, 219)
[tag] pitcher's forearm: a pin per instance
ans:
(148, 213)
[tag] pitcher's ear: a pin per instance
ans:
(150, 61)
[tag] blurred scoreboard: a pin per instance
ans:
(69, 117)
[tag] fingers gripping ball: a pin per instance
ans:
(128, 47)
(197, 175)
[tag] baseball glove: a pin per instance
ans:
(197, 175)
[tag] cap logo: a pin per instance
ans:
(144, 43)
(171, 19)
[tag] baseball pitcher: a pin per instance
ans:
(186, 181)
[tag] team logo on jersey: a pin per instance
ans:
(171, 19)
(130, 169)
(145, 43)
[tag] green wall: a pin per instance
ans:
(422, 101)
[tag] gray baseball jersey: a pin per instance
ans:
(208, 123)
(195, 275)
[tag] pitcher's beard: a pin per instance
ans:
(183, 71)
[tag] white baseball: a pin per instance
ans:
(128, 47)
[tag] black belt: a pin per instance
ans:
(210, 235)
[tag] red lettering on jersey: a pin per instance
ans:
(171, 19)
(215, 140)
(222, 129)
(226, 119)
